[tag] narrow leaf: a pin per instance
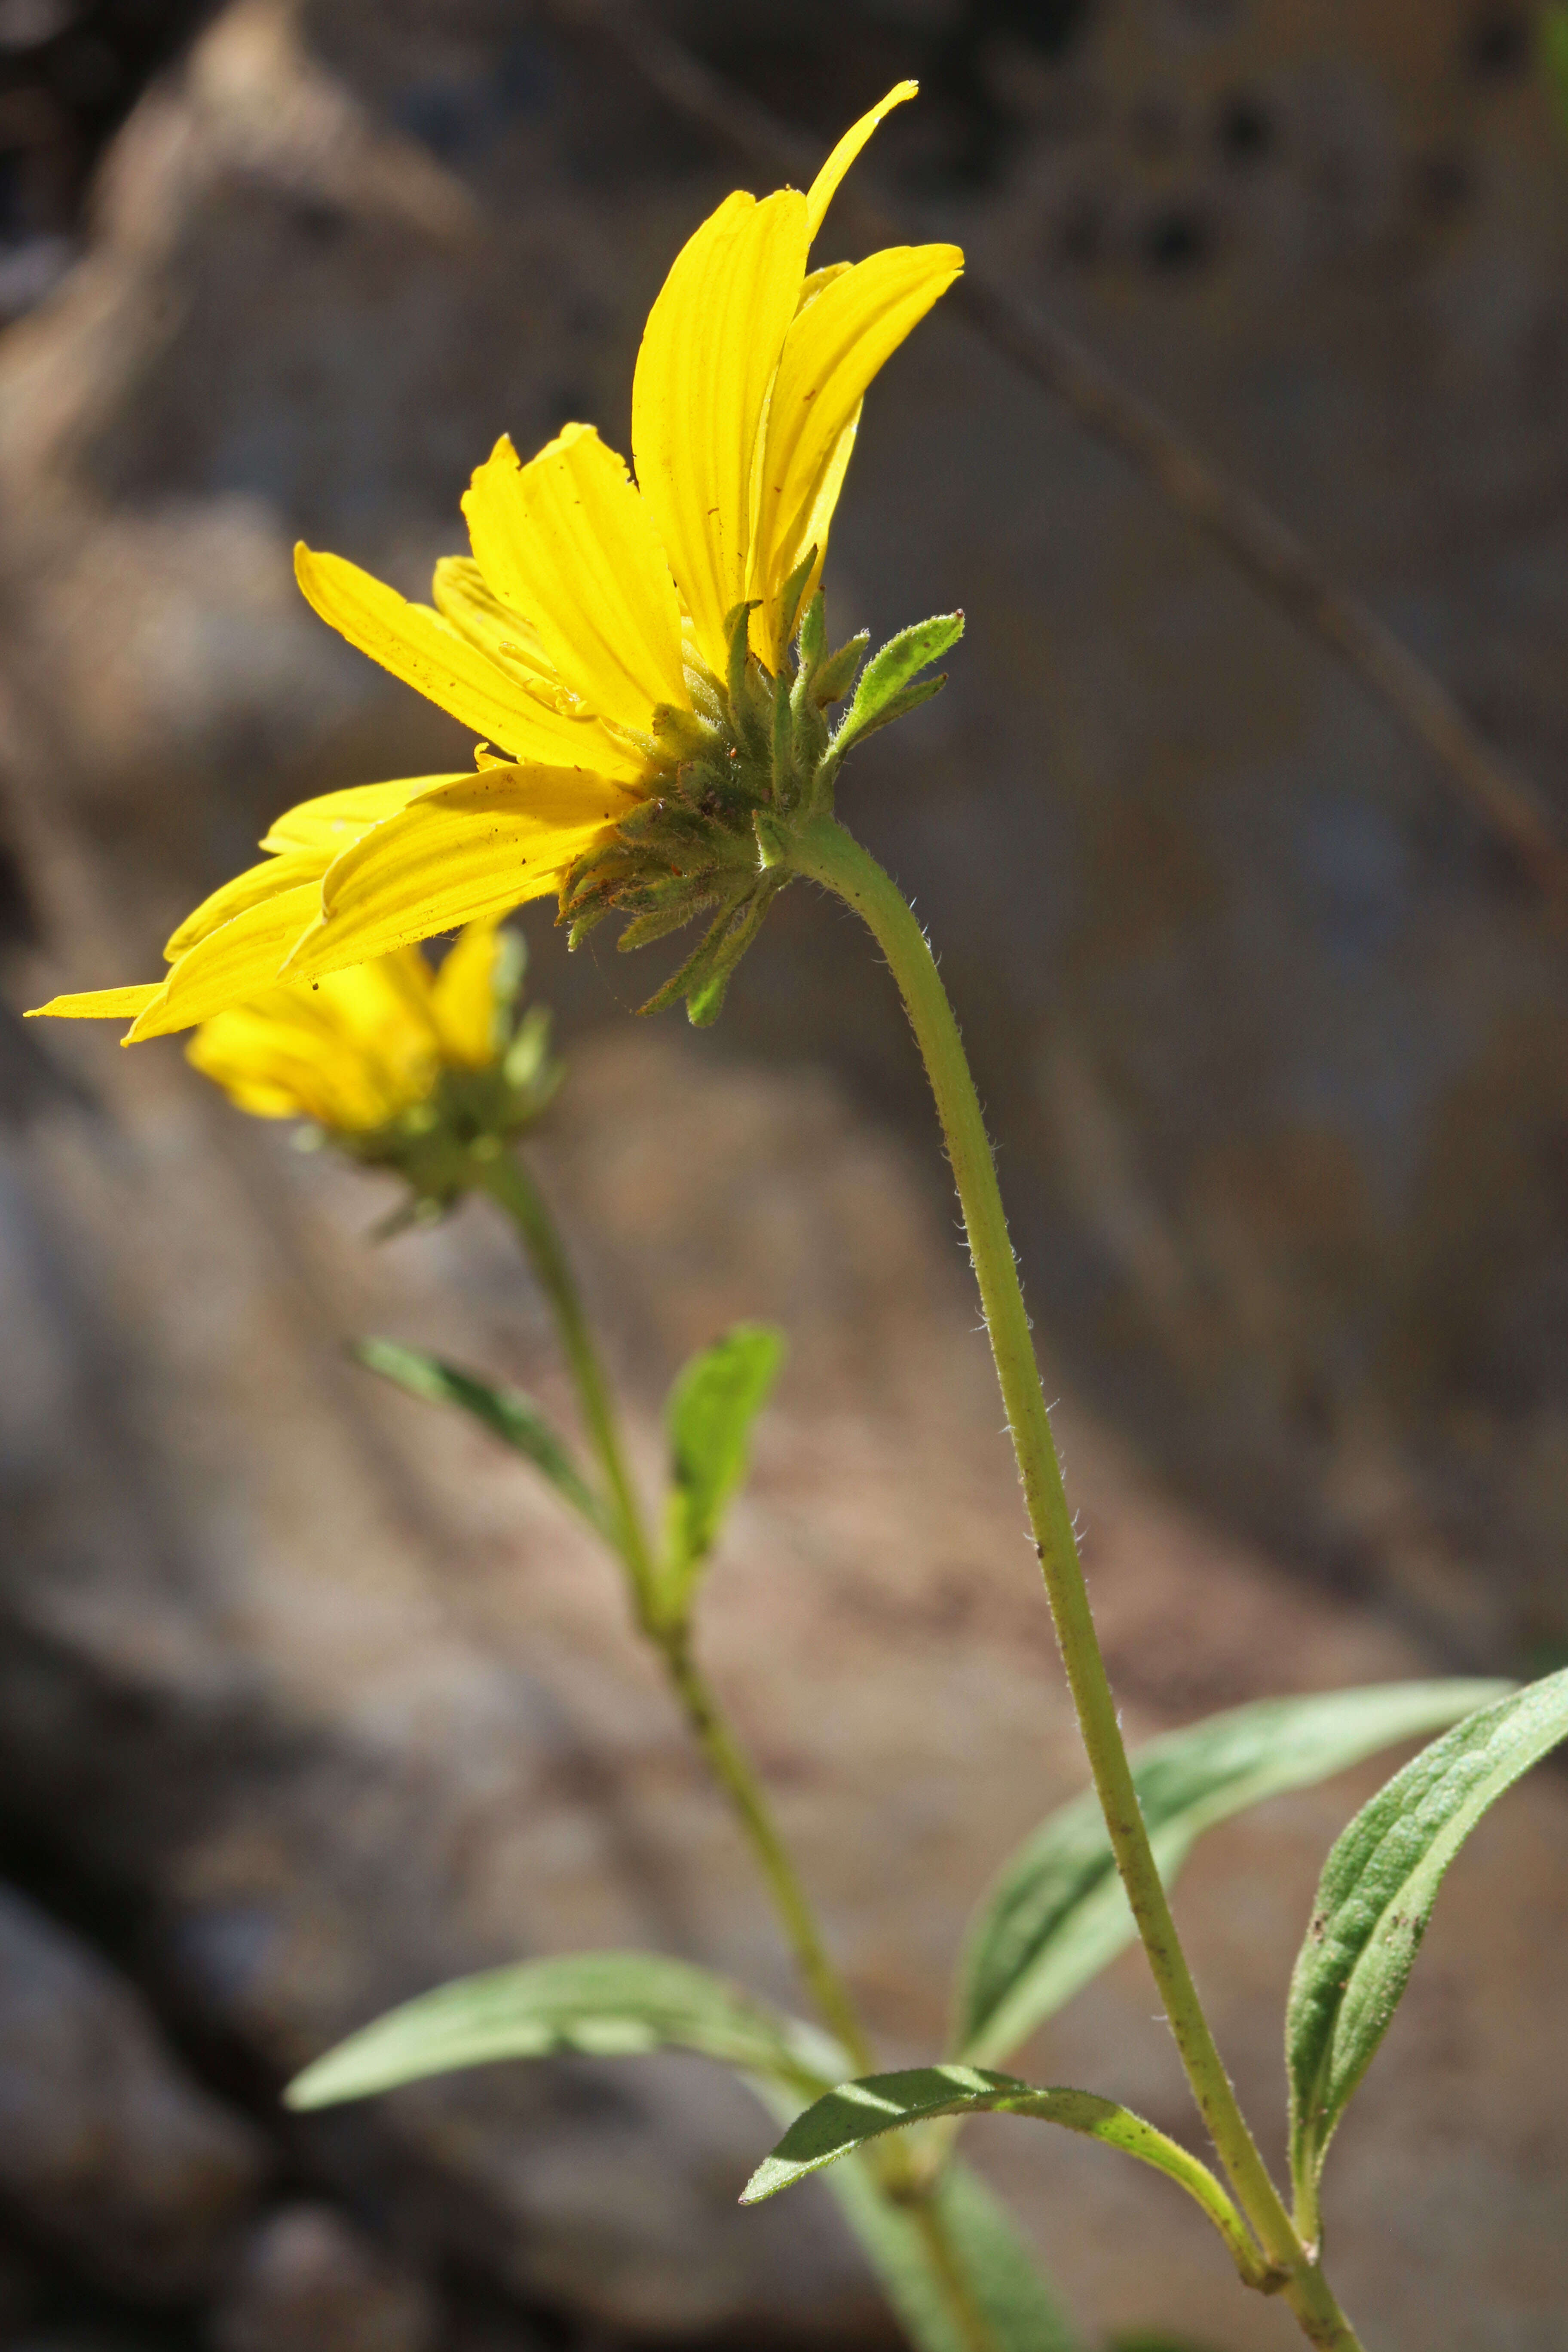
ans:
(709, 1416)
(600, 2004)
(890, 673)
(1056, 1914)
(997, 2274)
(857, 2112)
(1375, 1897)
(506, 1413)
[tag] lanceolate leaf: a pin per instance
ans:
(997, 2272)
(1056, 1914)
(600, 2004)
(506, 1413)
(857, 2112)
(1375, 1897)
(621, 2004)
(883, 691)
(711, 1409)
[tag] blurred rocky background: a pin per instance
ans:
(306, 1701)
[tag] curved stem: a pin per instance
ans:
(830, 856)
(510, 1185)
(731, 1767)
(504, 1178)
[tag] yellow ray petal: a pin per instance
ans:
(707, 356)
(464, 599)
(825, 187)
(463, 1001)
(332, 820)
(568, 540)
(834, 348)
(231, 964)
(247, 890)
(469, 849)
(285, 1057)
(99, 1004)
(427, 653)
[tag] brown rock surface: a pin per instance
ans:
(1274, 1038)
(309, 2283)
(109, 2153)
(369, 1713)
(331, 1694)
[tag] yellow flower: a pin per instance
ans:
(617, 642)
(358, 1048)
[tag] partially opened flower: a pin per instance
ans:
(396, 1062)
(621, 646)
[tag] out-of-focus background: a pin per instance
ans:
(307, 1699)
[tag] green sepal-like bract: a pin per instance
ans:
(733, 780)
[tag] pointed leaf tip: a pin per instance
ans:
(887, 688)
(1056, 1914)
(856, 2112)
(598, 2004)
(506, 1413)
(711, 1414)
(1375, 1897)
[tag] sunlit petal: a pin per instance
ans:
(825, 187)
(465, 600)
(834, 346)
(100, 1003)
(463, 1000)
(469, 849)
(233, 964)
(247, 889)
(568, 540)
(332, 820)
(708, 353)
(427, 653)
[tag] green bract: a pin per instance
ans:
(740, 775)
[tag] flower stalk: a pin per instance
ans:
(826, 854)
(498, 1173)
(502, 1176)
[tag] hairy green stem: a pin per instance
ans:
(829, 855)
(508, 1184)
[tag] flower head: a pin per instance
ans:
(620, 645)
(397, 1063)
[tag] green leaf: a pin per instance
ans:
(1375, 1897)
(710, 1414)
(857, 2112)
(1056, 1914)
(998, 2274)
(507, 1413)
(886, 690)
(600, 2004)
(617, 2004)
